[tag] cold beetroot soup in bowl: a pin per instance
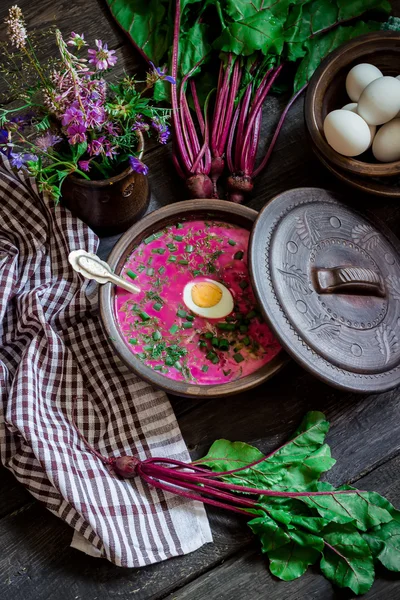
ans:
(195, 329)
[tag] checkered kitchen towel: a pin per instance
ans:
(51, 349)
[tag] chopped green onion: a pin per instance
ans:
(169, 361)
(150, 260)
(187, 325)
(133, 341)
(243, 329)
(226, 373)
(202, 344)
(178, 365)
(141, 355)
(151, 238)
(179, 226)
(178, 238)
(181, 313)
(208, 335)
(172, 259)
(161, 270)
(226, 326)
(230, 319)
(141, 268)
(183, 262)
(148, 347)
(174, 329)
(196, 272)
(157, 306)
(215, 342)
(158, 250)
(157, 235)
(157, 335)
(204, 368)
(172, 247)
(210, 355)
(238, 358)
(251, 314)
(232, 242)
(144, 316)
(158, 368)
(215, 360)
(131, 274)
(223, 344)
(246, 340)
(244, 284)
(238, 255)
(150, 271)
(189, 248)
(189, 317)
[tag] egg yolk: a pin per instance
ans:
(206, 294)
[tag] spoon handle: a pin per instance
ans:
(120, 282)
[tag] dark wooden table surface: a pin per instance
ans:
(36, 561)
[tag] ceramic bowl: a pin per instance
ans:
(327, 92)
(191, 209)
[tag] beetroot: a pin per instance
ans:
(199, 186)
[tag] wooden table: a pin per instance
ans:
(36, 561)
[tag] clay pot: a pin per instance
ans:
(108, 206)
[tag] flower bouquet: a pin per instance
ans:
(65, 119)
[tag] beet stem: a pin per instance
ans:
(253, 114)
(104, 459)
(267, 156)
(230, 140)
(242, 119)
(227, 123)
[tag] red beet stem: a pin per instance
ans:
(161, 472)
(180, 492)
(244, 107)
(253, 114)
(219, 103)
(230, 140)
(267, 156)
(227, 122)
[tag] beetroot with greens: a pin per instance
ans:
(251, 43)
(298, 518)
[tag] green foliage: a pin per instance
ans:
(346, 530)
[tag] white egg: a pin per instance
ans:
(353, 107)
(386, 146)
(380, 101)
(208, 298)
(359, 77)
(346, 132)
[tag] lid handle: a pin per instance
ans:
(349, 280)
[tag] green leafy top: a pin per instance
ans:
(346, 532)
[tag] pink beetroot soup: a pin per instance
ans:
(165, 334)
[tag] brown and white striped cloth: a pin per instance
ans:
(52, 349)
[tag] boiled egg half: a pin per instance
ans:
(208, 298)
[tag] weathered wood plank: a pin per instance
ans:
(247, 576)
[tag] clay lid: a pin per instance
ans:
(328, 282)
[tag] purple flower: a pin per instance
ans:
(47, 141)
(139, 124)
(95, 115)
(76, 40)
(18, 160)
(84, 165)
(95, 147)
(73, 115)
(76, 133)
(5, 142)
(160, 73)
(112, 129)
(102, 58)
(138, 166)
(162, 130)
(109, 149)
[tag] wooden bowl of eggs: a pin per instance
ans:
(352, 107)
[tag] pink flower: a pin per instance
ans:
(72, 115)
(96, 147)
(109, 149)
(95, 116)
(76, 40)
(102, 58)
(138, 166)
(112, 129)
(47, 141)
(76, 133)
(84, 165)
